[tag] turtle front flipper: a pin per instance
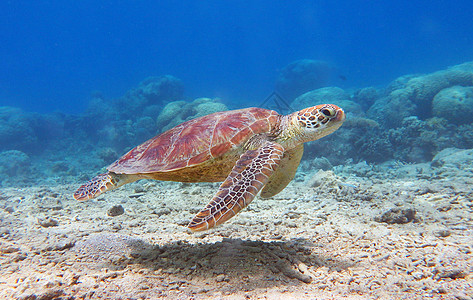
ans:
(250, 173)
(285, 173)
(100, 184)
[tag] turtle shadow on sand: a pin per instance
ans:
(231, 264)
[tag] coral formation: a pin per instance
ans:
(372, 146)
(454, 158)
(334, 95)
(324, 179)
(302, 76)
(390, 111)
(177, 112)
(16, 131)
(157, 90)
(454, 104)
(25, 131)
(413, 95)
(152, 91)
(14, 163)
(365, 97)
(131, 119)
(411, 120)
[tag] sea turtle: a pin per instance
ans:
(249, 150)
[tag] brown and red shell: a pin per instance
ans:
(196, 141)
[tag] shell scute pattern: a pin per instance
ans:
(228, 126)
(240, 135)
(260, 126)
(195, 141)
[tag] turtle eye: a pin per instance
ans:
(328, 112)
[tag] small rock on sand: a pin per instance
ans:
(397, 216)
(115, 210)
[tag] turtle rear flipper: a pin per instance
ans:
(251, 172)
(100, 184)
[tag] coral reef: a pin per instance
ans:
(108, 155)
(129, 120)
(416, 116)
(14, 162)
(152, 91)
(334, 95)
(365, 97)
(454, 158)
(170, 111)
(360, 122)
(463, 136)
(16, 168)
(419, 141)
(157, 90)
(177, 112)
(27, 132)
(16, 130)
(302, 76)
(454, 104)
(421, 90)
(413, 95)
(390, 111)
(372, 146)
(416, 140)
(411, 120)
(57, 142)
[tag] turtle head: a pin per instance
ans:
(315, 122)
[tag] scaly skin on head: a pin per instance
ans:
(101, 184)
(310, 124)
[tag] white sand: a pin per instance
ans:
(306, 243)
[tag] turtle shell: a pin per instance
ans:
(196, 141)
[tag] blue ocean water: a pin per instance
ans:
(381, 207)
(56, 54)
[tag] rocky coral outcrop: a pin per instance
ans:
(454, 104)
(14, 162)
(177, 112)
(413, 95)
(333, 95)
(24, 131)
(365, 97)
(302, 76)
(454, 158)
(152, 91)
(130, 119)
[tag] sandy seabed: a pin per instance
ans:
(396, 234)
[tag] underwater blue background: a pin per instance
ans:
(381, 208)
(56, 54)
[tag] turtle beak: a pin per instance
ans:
(340, 115)
(332, 112)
